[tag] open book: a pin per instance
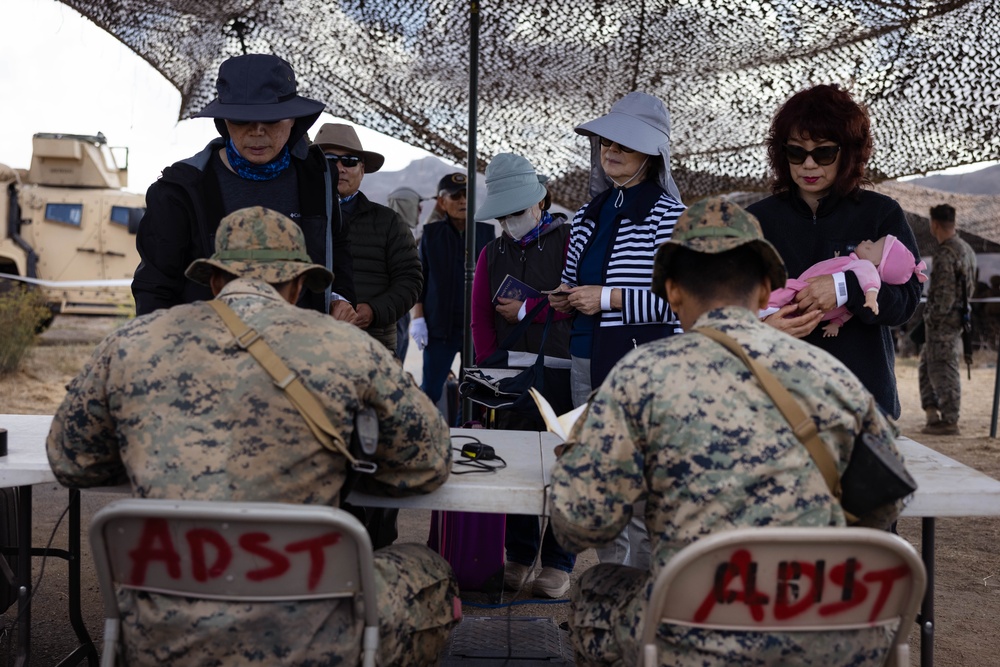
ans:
(561, 425)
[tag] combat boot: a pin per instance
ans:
(933, 416)
(942, 428)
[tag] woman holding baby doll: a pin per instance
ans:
(818, 147)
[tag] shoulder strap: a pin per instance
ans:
(522, 326)
(802, 425)
(300, 396)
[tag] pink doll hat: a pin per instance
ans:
(897, 263)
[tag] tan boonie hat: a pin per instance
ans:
(259, 243)
(715, 225)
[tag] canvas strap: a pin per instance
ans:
(286, 380)
(802, 425)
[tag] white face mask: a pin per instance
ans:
(518, 226)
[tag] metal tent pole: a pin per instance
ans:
(468, 355)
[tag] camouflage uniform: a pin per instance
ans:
(683, 425)
(939, 371)
(172, 404)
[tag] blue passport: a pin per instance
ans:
(512, 288)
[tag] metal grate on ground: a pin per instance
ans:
(482, 641)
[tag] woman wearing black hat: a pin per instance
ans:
(261, 159)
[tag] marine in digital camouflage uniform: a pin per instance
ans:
(939, 373)
(683, 424)
(171, 403)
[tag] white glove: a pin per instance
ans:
(418, 330)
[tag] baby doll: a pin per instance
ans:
(872, 262)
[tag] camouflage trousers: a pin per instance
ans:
(418, 605)
(940, 373)
(608, 612)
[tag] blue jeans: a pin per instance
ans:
(438, 357)
(522, 544)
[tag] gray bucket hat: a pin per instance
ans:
(715, 225)
(511, 185)
(638, 121)
(257, 242)
(258, 87)
(406, 203)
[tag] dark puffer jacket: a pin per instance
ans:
(387, 271)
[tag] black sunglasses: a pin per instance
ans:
(607, 144)
(346, 160)
(458, 194)
(501, 218)
(821, 155)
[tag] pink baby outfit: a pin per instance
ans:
(895, 267)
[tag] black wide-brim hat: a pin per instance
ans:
(258, 87)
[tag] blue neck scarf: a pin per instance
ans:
(542, 225)
(257, 172)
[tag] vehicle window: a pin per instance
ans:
(121, 214)
(71, 214)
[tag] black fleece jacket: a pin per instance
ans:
(183, 211)
(865, 343)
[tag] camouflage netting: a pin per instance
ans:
(926, 69)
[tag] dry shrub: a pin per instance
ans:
(23, 312)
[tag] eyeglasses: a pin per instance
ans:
(346, 160)
(501, 218)
(821, 155)
(607, 143)
(455, 196)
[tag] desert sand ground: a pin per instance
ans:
(967, 590)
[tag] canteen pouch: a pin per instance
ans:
(874, 477)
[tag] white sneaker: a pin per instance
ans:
(515, 575)
(552, 583)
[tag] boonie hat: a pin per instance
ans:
(405, 202)
(715, 225)
(257, 242)
(452, 183)
(258, 87)
(511, 185)
(340, 135)
(897, 263)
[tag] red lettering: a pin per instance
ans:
(853, 591)
(254, 543)
(154, 544)
(887, 580)
(197, 538)
(740, 565)
(315, 547)
(789, 573)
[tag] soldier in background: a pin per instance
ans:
(684, 425)
(953, 278)
(172, 403)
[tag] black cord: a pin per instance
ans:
(38, 582)
(476, 465)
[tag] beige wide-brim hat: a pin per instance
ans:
(338, 135)
(259, 243)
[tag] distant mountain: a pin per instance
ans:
(982, 182)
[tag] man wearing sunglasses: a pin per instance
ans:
(387, 273)
(438, 326)
(261, 159)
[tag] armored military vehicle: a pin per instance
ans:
(68, 226)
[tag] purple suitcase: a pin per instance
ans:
(473, 543)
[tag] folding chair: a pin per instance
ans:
(789, 579)
(225, 551)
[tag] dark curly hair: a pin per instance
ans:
(824, 112)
